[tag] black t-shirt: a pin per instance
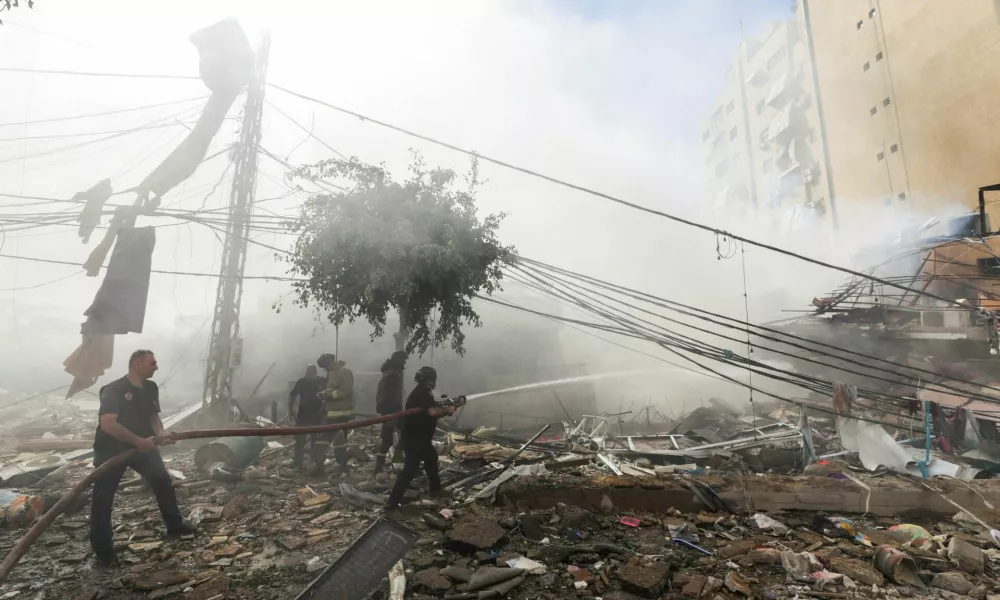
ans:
(135, 407)
(419, 427)
(307, 389)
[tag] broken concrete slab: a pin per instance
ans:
(144, 547)
(859, 571)
(773, 494)
(952, 581)
(735, 584)
(645, 578)
(968, 558)
(431, 581)
(473, 533)
(161, 579)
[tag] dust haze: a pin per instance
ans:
(609, 101)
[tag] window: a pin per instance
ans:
(732, 133)
(871, 14)
(894, 148)
(878, 57)
(880, 156)
(760, 107)
(768, 165)
(867, 66)
(860, 24)
(730, 108)
(901, 196)
(886, 102)
(811, 136)
(720, 169)
(872, 111)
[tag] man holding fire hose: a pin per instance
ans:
(417, 435)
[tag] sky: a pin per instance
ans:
(605, 94)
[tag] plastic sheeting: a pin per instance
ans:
(876, 448)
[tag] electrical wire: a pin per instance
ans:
(101, 114)
(95, 73)
(943, 387)
(608, 197)
(675, 306)
(90, 142)
(308, 132)
(158, 271)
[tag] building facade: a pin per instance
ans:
(908, 90)
(762, 139)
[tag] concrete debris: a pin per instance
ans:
(952, 581)
(552, 530)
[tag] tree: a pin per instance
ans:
(416, 246)
(10, 5)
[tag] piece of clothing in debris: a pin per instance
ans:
(389, 395)
(150, 466)
(135, 406)
(338, 397)
(306, 420)
(421, 426)
(416, 452)
(307, 390)
(337, 439)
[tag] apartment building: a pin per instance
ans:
(909, 96)
(762, 137)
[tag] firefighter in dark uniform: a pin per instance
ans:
(388, 400)
(129, 418)
(338, 407)
(309, 411)
(417, 436)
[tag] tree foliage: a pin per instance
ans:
(10, 5)
(416, 246)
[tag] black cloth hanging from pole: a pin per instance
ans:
(120, 305)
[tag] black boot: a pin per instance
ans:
(379, 463)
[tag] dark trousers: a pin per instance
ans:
(306, 420)
(150, 467)
(416, 453)
(387, 436)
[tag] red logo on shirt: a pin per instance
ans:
(128, 396)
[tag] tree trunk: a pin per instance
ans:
(402, 336)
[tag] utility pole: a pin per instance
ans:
(225, 348)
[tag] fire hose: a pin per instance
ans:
(29, 538)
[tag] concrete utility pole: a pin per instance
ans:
(225, 347)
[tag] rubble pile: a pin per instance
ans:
(702, 511)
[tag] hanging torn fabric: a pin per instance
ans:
(226, 67)
(89, 362)
(120, 304)
(94, 200)
(95, 261)
(118, 308)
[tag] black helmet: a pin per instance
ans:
(426, 375)
(326, 360)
